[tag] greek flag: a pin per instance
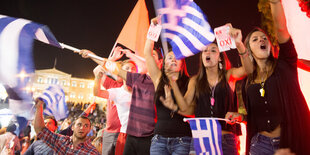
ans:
(16, 41)
(16, 62)
(207, 135)
(55, 104)
(184, 26)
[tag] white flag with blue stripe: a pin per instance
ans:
(184, 26)
(16, 41)
(16, 62)
(207, 135)
(55, 104)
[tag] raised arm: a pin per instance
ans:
(38, 119)
(279, 21)
(151, 65)
(112, 67)
(99, 78)
(247, 65)
(137, 59)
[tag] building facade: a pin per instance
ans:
(77, 90)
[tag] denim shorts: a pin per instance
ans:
(168, 145)
(262, 145)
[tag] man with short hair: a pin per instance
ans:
(39, 147)
(78, 143)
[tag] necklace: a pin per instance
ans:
(212, 100)
(262, 84)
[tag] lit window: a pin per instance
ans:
(82, 85)
(40, 80)
(90, 85)
(80, 96)
(73, 83)
(63, 82)
(72, 95)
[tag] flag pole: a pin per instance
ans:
(212, 118)
(64, 46)
(163, 40)
(112, 49)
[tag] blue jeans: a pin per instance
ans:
(229, 144)
(170, 146)
(262, 145)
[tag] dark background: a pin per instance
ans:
(96, 24)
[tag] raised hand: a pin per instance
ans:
(85, 53)
(235, 34)
(98, 71)
(168, 100)
(117, 54)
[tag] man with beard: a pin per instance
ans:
(78, 143)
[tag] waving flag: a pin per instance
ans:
(54, 99)
(16, 62)
(16, 40)
(207, 135)
(133, 34)
(185, 26)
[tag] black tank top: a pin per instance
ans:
(168, 126)
(223, 103)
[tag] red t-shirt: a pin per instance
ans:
(113, 124)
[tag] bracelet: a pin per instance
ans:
(175, 111)
(241, 54)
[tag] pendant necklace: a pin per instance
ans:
(212, 100)
(262, 84)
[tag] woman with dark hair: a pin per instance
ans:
(172, 134)
(209, 94)
(277, 113)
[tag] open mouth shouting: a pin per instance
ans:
(208, 58)
(263, 47)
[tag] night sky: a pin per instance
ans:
(96, 24)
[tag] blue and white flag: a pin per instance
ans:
(16, 62)
(207, 135)
(184, 26)
(16, 41)
(54, 99)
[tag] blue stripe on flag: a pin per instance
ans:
(177, 16)
(206, 135)
(54, 98)
(4, 22)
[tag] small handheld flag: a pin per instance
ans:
(54, 98)
(207, 135)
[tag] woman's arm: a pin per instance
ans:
(151, 65)
(186, 104)
(247, 65)
(279, 21)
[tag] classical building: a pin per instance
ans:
(77, 90)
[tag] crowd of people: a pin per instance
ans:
(145, 110)
(26, 142)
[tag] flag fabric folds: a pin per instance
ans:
(207, 135)
(16, 62)
(16, 40)
(55, 104)
(133, 34)
(184, 26)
